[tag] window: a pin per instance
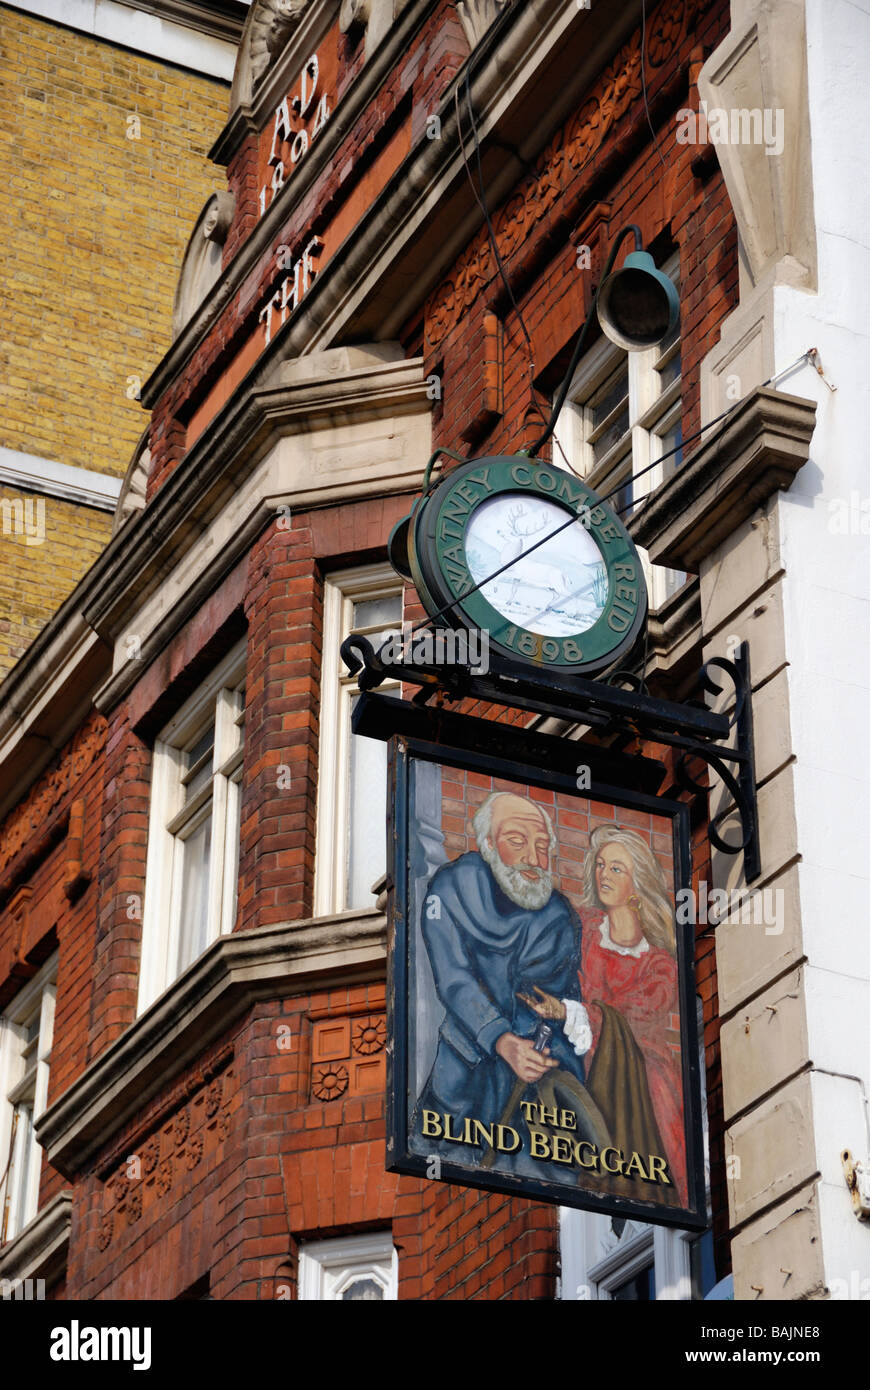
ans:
(352, 782)
(351, 1268)
(608, 1257)
(25, 1049)
(623, 413)
(193, 835)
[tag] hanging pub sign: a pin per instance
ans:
(543, 1022)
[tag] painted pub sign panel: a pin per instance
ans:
(544, 1036)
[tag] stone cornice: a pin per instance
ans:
(221, 19)
(233, 974)
(239, 437)
(753, 453)
(39, 1251)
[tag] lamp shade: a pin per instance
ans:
(638, 304)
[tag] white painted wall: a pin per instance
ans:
(827, 613)
(145, 33)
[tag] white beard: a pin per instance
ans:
(530, 895)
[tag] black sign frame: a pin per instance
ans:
(511, 763)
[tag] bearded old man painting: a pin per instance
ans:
(495, 928)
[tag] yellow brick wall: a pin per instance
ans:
(45, 547)
(93, 226)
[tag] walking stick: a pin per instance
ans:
(543, 1034)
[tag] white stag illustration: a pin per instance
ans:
(523, 527)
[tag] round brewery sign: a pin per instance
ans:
(529, 555)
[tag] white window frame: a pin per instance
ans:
(341, 591)
(20, 1080)
(328, 1267)
(652, 413)
(219, 699)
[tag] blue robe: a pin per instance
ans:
(483, 949)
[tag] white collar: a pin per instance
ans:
(610, 945)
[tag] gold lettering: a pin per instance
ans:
(528, 1109)
(457, 1138)
(561, 1148)
(548, 1117)
(635, 1165)
(432, 1124)
(482, 1132)
(591, 1162)
(567, 1119)
(502, 1143)
(540, 1144)
(658, 1169)
(619, 1160)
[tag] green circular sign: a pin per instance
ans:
(528, 554)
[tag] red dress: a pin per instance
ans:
(644, 990)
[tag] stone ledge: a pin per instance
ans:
(39, 1251)
(234, 973)
(756, 451)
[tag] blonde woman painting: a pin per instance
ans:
(628, 978)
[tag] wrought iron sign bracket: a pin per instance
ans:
(723, 741)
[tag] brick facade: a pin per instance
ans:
(275, 1133)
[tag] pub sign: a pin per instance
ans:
(543, 1015)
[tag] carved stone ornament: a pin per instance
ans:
(131, 498)
(107, 1227)
(568, 153)
(201, 267)
(369, 1035)
(330, 1082)
(477, 16)
(272, 24)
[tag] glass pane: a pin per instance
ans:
(193, 927)
(669, 372)
(612, 435)
(372, 612)
(621, 501)
(20, 1175)
(641, 1288)
(673, 440)
(367, 829)
(363, 1289)
(203, 746)
(609, 396)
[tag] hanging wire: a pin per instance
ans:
(479, 191)
(573, 520)
(643, 85)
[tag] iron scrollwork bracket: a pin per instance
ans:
(739, 777)
(692, 731)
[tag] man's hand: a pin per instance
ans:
(523, 1060)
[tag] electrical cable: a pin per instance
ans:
(572, 520)
(643, 85)
(479, 191)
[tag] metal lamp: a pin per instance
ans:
(638, 305)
